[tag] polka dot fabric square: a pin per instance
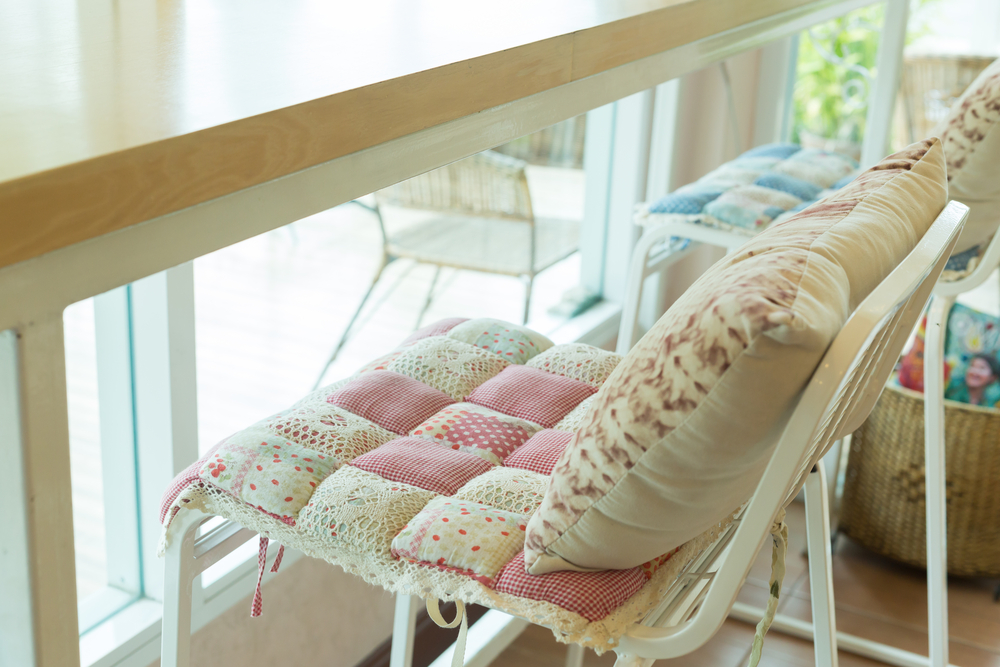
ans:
(267, 472)
(476, 430)
(531, 394)
(393, 401)
(424, 464)
(462, 536)
(541, 452)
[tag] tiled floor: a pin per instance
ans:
(875, 599)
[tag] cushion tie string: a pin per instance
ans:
(258, 603)
(458, 658)
(779, 536)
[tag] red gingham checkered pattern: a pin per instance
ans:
(540, 453)
(181, 482)
(439, 328)
(394, 401)
(593, 595)
(423, 464)
(532, 394)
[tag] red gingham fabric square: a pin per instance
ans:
(540, 453)
(531, 394)
(393, 401)
(593, 595)
(423, 464)
(439, 328)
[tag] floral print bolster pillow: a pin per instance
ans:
(677, 438)
(970, 135)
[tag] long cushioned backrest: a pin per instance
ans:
(676, 438)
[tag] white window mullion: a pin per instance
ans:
(598, 147)
(165, 394)
(633, 123)
(775, 86)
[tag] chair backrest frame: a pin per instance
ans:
(484, 185)
(838, 397)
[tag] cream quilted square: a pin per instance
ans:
(510, 489)
(450, 366)
(585, 363)
(360, 511)
(328, 429)
(574, 419)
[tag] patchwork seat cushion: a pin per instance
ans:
(421, 472)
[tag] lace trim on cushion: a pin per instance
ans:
(398, 576)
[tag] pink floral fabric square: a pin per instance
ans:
(267, 471)
(476, 430)
(423, 464)
(593, 595)
(393, 401)
(541, 452)
(462, 536)
(531, 394)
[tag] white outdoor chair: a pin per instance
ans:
(837, 399)
(484, 222)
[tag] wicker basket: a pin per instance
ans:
(883, 505)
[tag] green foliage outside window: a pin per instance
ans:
(830, 99)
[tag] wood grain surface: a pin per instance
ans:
(115, 113)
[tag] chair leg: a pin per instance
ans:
(934, 467)
(347, 331)
(527, 298)
(574, 655)
(820, 568)
(403, 630)
(430, 296)
(628, 660)
(178, 575)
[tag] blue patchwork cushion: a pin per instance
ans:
(794, 186)
(960, 261)
(688, 201)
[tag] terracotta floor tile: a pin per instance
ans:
(536, 647)
(895, 633)
(897, 594)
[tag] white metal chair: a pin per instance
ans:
(485, 223)
(838, 398)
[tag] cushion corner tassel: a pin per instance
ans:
(258, 602)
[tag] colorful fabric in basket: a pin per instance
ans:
(398, 477)
(971, 358)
